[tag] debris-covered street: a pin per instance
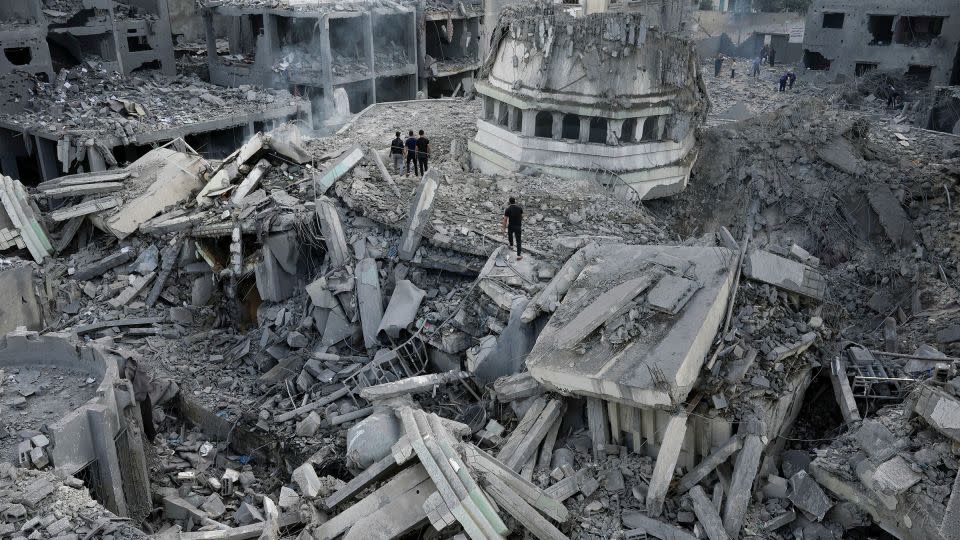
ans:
(595, 289)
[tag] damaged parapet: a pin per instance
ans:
(99, 434)
(610, 96)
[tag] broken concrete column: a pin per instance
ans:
(332, 230)
(741, 485)
(421, 206)
(370, 300)
(950, 525)
(666, 463)
(323, 181)
(707, 515)
(549, 298)
(108, 464)
(251, 181)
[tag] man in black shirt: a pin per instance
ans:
(423, 152)
(396, 152)
(411, 152)
(512, 217)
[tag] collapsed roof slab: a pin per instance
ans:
(659, 365)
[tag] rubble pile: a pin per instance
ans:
(298, 340)
(38, 504)
(91, 102)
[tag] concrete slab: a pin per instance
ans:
(671, 293)
(785, 274)
(658, 368)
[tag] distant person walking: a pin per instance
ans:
(410, 151)
(894, 98)
(423, 152)
(396, 152)
(756, 66)
(717, 65)
(512, 217)
(772, 56)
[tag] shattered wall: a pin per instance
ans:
(605, 95)
(918, 39)
(341, 57)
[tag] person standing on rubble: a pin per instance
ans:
(791, 78)
(512, 217)
(772, 56)
(423, 152)
(717, 65)
(756, 66)
(396, 152)
(411, 153)
(783, 81)
(733, 67)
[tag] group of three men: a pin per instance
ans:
(414, 149)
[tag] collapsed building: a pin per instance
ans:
(127, 35)
(921, 41)
(344, 57)
(613, 96)
(328, 348)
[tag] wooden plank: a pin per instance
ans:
(521, 511)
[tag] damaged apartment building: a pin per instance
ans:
(344, 56)
(230, 312)
(613, 96)
(920, 40)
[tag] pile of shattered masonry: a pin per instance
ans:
(362, 334)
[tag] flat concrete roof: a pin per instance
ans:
(642, 348)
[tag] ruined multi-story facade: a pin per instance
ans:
(129, 35)
(343, 57)
(919, 39)
(613, 96)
